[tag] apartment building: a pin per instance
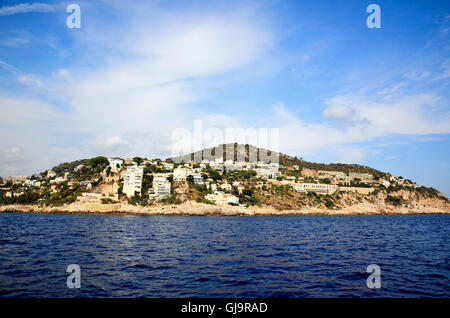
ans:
(133, 180)
(161, 186)
(180, 174)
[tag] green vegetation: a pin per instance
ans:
(171, 199)
(396, 201)
(99, 161)
(240, 174)
(142, 200)
(138, 160)
(203, 200)
(108, 201)
(215, 175)
(64, 195)
(69, 166)
(357, 184)
(28, 197)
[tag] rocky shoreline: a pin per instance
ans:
(200, 209)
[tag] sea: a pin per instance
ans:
(215, 256)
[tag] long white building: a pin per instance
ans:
(315, 187)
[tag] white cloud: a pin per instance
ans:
(29, 80)
(388, 91)
(140, 91)
(355, 119)
(26, 8)
(392, 157)
(418, 76)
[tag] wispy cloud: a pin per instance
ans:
(149, 81)
(26, 8)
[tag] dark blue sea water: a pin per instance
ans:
(271, 256)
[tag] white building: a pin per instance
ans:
(51, 174)
(275, 174)
(221, 198)
(315, 187)
(385, 183)
(133, 180)
(225, 186)
(115, 163)
(197, 178)
(168, 165)
(180, 174)
(262, 172)
(161, 186)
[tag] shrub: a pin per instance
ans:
(396, 201)
(108, 201)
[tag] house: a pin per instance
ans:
(240, 188)
(115, 163)
(86, 184)
(57, 180)
(315, 187)
(168, 165)
(225, 186)
(275, 174)
(161, 186)
(385, 183)
(51, 174)
(133, 180)
(221, 198)
(262, 172)
(180, 174)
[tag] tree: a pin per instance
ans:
(98, 161)
(190, 178)
(138, 160)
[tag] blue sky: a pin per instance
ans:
(137, 70)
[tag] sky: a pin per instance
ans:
(136, 71)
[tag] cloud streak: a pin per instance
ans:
(26, 8)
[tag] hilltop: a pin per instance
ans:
(246, 152)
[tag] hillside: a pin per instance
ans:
(248, 151)
(251, 184)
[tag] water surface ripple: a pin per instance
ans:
(270, 256)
